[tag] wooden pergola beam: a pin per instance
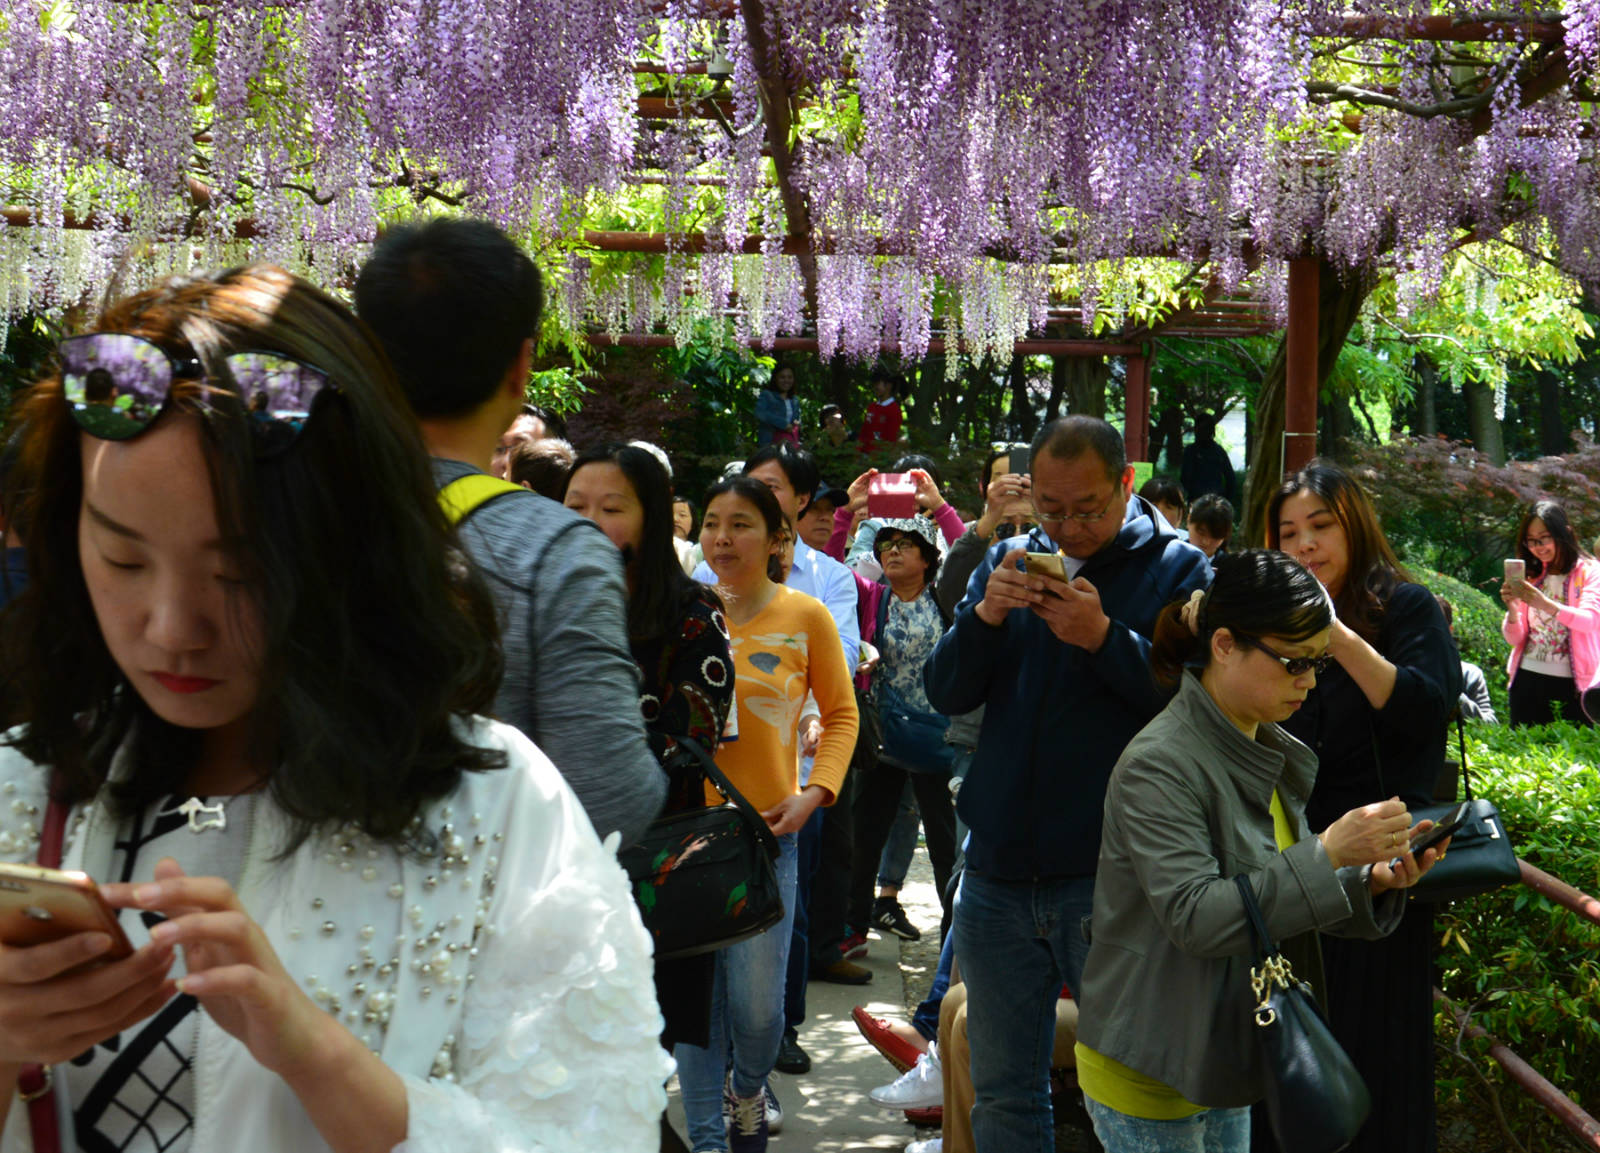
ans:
(1477, 27)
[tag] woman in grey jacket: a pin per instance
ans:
(1210, 789)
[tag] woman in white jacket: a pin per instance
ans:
(363, 919)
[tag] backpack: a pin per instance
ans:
(466, 494)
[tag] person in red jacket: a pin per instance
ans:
(882, 421)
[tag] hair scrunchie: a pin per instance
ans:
(1193, 607)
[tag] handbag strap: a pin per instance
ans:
(36, 1083)
(1261, 939)
(1461, 743)
(720, 782)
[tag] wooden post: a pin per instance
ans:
(1300, 366)
(1136, 410)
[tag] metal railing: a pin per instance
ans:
(1579, 1123)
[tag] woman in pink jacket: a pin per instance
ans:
(1552, 621)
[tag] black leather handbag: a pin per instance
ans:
(1480, 858)
(1316, 1100)
(705, 878)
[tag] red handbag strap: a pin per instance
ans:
(35, 1084)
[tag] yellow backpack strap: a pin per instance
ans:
(463, 496)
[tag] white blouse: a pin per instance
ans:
(505, 977)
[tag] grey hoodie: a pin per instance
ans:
(1166, 990)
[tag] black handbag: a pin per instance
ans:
(869, 737)
(1480, 858)
(1316, 1100)
(705, 878)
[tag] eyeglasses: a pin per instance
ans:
(118, 384)
(1539, 541)
(899, 544)
(1077, 517)
(1294, 666)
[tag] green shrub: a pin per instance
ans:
(1528, 969)
(1477, 629)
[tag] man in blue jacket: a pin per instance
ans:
(1062, 671)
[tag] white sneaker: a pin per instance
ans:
(920, 1088)
(931, 1145)
(774, 1113)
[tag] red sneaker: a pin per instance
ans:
(854, 946)
(933, 1116)
(896, 1050)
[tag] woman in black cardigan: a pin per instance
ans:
(1377, 721)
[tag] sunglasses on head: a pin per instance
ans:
(117, 385)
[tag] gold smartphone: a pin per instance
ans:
(39, 905)
(1048, 564)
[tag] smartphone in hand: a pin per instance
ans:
(1449, 827)
(1516, 570)
(1046, 564)
(39, 905)
(892, 496)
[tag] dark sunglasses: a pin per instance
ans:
(1294, 666)
(117, 385)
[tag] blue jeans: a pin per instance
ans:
(895, 861)
(1214, 1131)
(1018, 942)
(808, 857)
(926, 1019)
(746, 1017)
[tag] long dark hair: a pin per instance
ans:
(1568, 550)
(1255, 593)
(661, 591)
(375, 634)
(1374, 570)
(766, 504)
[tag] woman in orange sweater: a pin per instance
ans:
(785, 645)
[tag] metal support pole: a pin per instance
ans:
(1300, 366)
(1136, 426)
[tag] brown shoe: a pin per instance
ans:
(842, 972)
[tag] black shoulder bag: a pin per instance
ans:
(705, 878)
(1480, 858)
(1316, 1100)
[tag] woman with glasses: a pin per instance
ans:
(1552, 621)
(249, 666)
(1212, 789)
(1377, 723)
(903, 618)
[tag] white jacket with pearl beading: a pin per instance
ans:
(506, 978)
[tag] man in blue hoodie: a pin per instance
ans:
(1062, 671)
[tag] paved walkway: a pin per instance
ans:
(827, 1110)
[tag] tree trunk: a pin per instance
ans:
(1086, 385)
(1427, 396)
(1337, 425)
(1554, 438)
(1487, 435)
(924, 393)
(1024, 421)
(1167, 437)
(839, 383)
(1060, 374)
(1339, 302)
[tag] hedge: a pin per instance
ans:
(1527, 969)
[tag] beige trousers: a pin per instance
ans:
(955, 1061)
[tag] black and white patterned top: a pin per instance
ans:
(134, 1093)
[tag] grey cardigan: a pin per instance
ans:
(1166, 990)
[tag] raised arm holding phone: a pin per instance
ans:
(1058, 666)
(1552, 622)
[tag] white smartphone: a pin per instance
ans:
(1516, 570)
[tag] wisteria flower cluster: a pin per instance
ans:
(948, 154)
